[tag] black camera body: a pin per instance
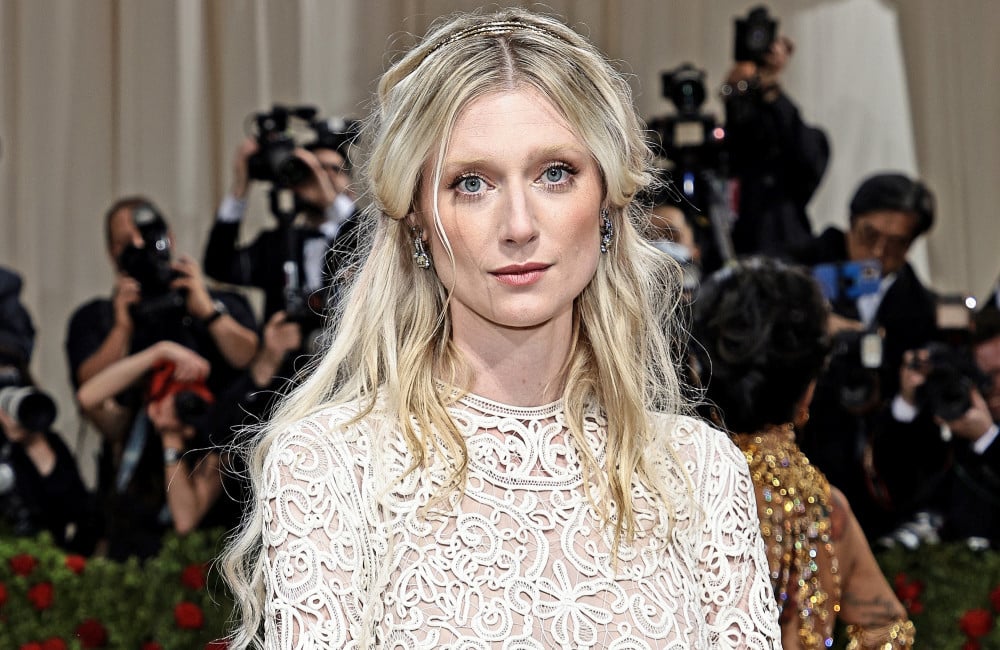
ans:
(855, 361)
(952, 373)
(754, 36)
(952, 377)
(275, 160)
(691, 138)
(150, 266)
(191, 408)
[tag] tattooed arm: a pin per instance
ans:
(868, 604)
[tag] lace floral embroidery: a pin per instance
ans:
(520, 560)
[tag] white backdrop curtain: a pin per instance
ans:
(104, 98)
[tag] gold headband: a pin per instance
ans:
(493, 28)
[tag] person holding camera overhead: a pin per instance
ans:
(156, 297)
(316, 233)
(777, 159)
(151, 495)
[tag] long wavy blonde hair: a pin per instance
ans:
(391, 336)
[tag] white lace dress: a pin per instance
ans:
(519, 561)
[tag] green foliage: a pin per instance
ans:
(940, 585)
(133, 602)
(955, 580)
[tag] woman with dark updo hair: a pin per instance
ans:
(762, 341)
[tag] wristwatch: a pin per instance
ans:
(171, 456)
(218, 309)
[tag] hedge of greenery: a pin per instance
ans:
(951, 592)
(53, 601)
(176, 601)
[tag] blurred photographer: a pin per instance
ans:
(313, 203)
(945, 417)
(671, 231)
(776, 158)
(168, 476)
(40, 485)
(156, 297)
(871, 332)
(165, 294)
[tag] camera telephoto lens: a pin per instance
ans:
(29, 407)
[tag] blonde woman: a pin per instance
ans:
(492, 451)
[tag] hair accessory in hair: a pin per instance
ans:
(607, 230)
(420, 255)
(492, 28)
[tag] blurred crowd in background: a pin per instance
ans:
(175, 362)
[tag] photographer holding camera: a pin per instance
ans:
(314, 236)
(40, 484)
(777, 159)
(169, 475)
(167, 297)
(872, 331)
(945, 416)
(156, 298)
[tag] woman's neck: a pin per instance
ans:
(519, 367)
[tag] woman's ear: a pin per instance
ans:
(801, 416)
(414, 220)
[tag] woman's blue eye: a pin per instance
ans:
(470, 185)
(555, 174)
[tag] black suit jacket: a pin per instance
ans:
(779, 161)
(907, 313)
(261, 263)
(837, 440)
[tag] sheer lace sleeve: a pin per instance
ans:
(735, 588)
(316, 537)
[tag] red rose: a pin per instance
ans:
(188, 616)
(916, 607)
(31, 645)
(906, 590)
(92, 634)
(3, 594)
(911, 591)
(976, 623)
(193, 577)
(76, 563)
(218, 644)
(23, 564)
(995, 598)
(41, 595)
(55, 643)
(151, 645)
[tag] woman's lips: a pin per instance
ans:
(520, 275)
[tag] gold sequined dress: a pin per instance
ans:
(793, 499)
